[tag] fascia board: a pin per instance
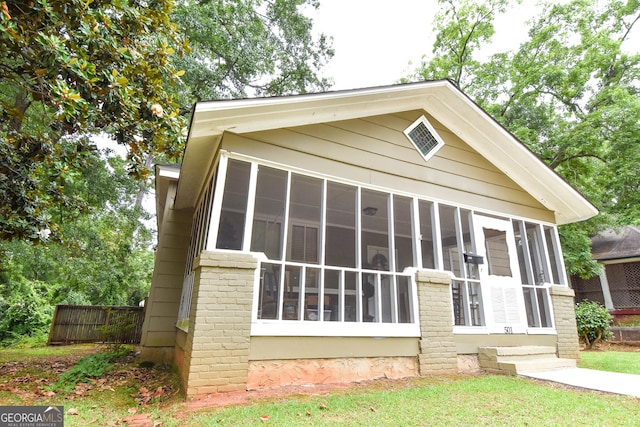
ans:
(164, 176)
(463, 117)
(251, 115)
(170, 172)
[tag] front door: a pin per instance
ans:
(499, 275)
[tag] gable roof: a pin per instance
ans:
(611, 244)
(440, 98)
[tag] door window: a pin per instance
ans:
(497, 252)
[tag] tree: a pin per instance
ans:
(71, 224)
(107, 256)
(25, 311)
(241, 47)
(570, 93)
(462, 29)
(71, 69)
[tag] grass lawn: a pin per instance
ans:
(129, 388)
(627, 362)
(483, 400)
(42, 353)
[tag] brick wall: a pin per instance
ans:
(437, 345)
(217, 345)
(562, 298)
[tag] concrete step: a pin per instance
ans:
(539, 365)
(514, 360)
(523, 350)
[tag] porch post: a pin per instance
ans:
(217, 343)
(606, 292)
(562, 298)
(438, 353)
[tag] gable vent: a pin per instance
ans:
(424, 137)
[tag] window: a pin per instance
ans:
(305, 212)
(428, 248)
(338, 256)
(374, 236)
(402, 233)
(537, 248)
(340, 246)
(304, 243)
(497, 252)
(268, 217)
(336, 253)
(234, 206)
(554, 257)
(199, 233)
(457, 246)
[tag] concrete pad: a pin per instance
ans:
(611, 382)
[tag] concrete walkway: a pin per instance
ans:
(612, 382)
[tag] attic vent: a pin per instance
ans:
(424, 137)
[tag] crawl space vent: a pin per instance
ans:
(424, 137)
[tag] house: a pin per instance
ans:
(618, 285)
(390, 231)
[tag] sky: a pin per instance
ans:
(376, 40)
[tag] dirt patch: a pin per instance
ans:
(616, 346)
(216, 400)
(31, 380)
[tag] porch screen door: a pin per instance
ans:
(499, 275)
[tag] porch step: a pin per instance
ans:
(515, 360)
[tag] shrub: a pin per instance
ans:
(91, 366)
(25, 312)
(594, 323)
(118, 327)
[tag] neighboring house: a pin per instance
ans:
(618, 286)
(342, 236)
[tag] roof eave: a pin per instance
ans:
(164, 174)
(441, 99)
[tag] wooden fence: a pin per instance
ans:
(94, 323)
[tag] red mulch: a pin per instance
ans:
(216, 400)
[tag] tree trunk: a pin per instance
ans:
(142, 192)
